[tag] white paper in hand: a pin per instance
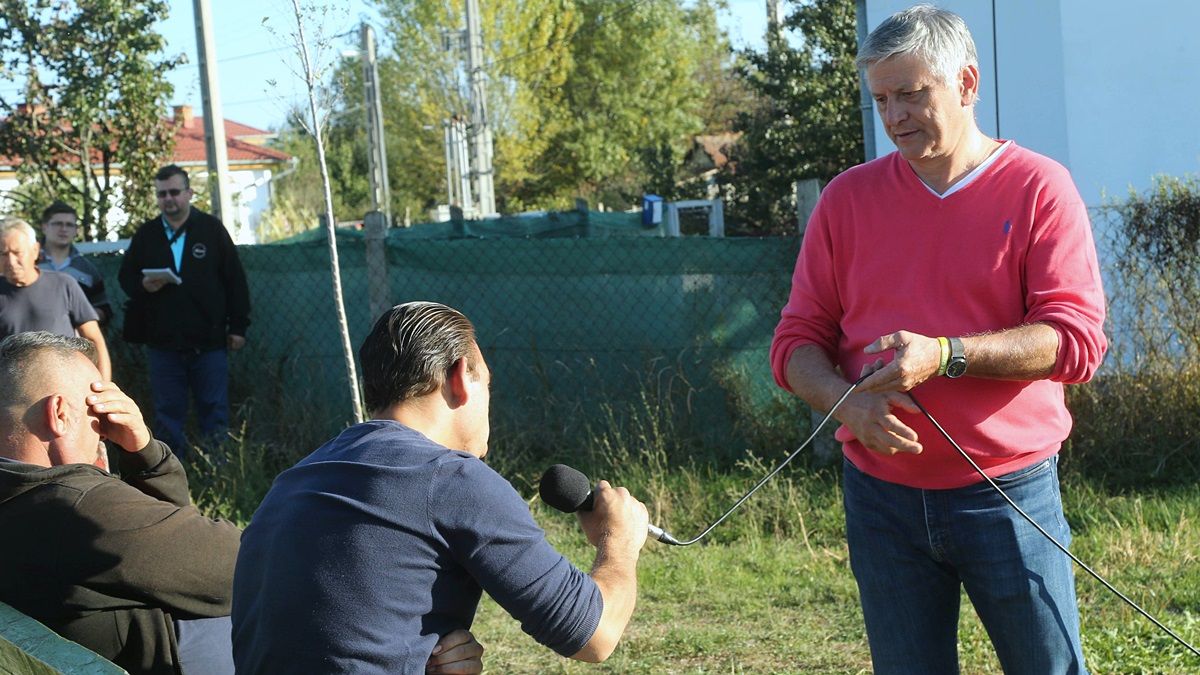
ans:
(162, 273)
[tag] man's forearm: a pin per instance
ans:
(812, 377)
(91, 330)
(156, 472)
(615, 573)
(1027, 352)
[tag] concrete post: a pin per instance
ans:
(379, 288)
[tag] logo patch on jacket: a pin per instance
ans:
(199, 251)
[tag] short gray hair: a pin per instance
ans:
(938, 37)
(14, 224)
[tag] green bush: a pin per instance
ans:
(1138, 422)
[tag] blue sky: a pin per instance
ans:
(256, 61)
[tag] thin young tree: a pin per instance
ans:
(314, 124)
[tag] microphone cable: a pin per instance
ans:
(776, 470)
(1046, 534)
(946, 435)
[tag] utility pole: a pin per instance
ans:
(376, 149)
(774, 27)
(481, 134)
(214, 123)
(458, 168)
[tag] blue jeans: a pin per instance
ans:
(173, 374)
(205, 646)
(912, 550)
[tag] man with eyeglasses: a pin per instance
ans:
(60, 224)
(190, 305)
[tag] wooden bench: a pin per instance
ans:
(26, 646)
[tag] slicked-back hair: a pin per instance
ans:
(169, 170)
(410, 350)
(19, 350)
(938, 37)
(56, 207)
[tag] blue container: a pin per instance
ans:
(652, 210)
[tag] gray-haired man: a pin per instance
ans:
(968, 261)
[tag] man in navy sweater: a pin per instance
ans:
(383, 539)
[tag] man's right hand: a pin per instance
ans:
(869, 417)
(116, 417)
(153, 285)
(617, 519)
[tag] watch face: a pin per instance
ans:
(956, 368)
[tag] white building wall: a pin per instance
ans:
(251, 197)
(1108, 88)
(1132, 92)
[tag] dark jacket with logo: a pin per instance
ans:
(109, 563)
(212, 301)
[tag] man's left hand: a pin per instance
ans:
(917, 359)
(456, 653)
(116, 417)
(235, 342)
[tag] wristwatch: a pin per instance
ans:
(957, 366)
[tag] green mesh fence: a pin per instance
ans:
(571, 327)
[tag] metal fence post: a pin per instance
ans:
(825, 447)
(379, 291)
(716, 219)
(807, 192)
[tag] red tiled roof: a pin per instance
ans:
(189, 144)
(717, 146)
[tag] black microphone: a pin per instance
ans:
(568, 490)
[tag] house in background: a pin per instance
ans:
(252, 168)
(706, 158)
(1107, 88)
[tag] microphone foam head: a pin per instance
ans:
(565, 489)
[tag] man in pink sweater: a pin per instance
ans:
(960, 268)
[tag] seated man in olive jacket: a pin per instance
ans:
(124, 566)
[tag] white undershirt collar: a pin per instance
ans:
(970, 177)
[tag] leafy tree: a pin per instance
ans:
(91, 117)
(810, 125)
(298, 198)
(585, 97)
(633, 89)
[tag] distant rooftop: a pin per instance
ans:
(244, 144)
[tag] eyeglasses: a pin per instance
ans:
(63, 226)
(174, 192)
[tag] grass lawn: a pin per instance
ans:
(770, 590)
(788, 604)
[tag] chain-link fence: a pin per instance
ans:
(583, 318)
(571, 326)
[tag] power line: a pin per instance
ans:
(277, 49)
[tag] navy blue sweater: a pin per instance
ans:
(372, 547)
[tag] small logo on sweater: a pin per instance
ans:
(1007, 226)
(200, 250)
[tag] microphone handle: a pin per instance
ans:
(656, 533)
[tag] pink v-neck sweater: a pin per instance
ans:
(882, 253)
